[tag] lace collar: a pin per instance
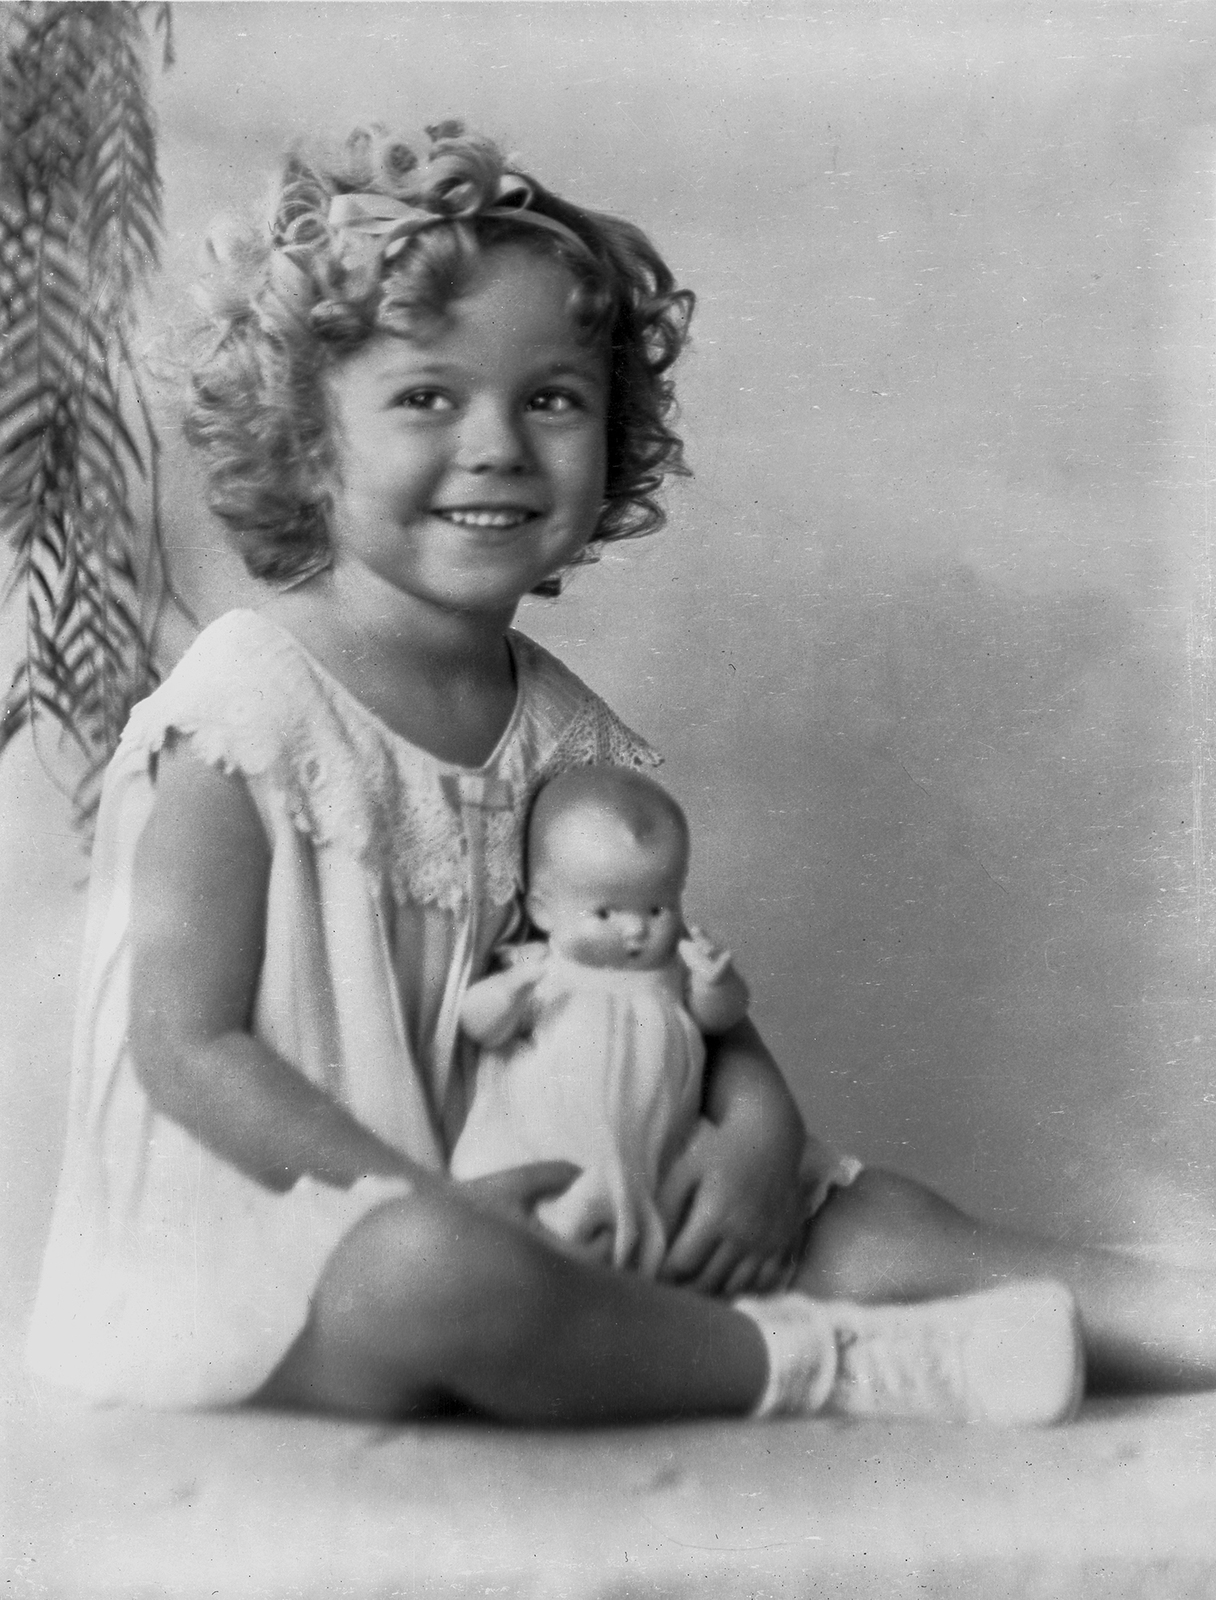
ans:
(254, 701)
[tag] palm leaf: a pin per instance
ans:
(80, 229)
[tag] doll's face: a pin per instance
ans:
(607, 899)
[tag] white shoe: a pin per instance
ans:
(1011, 1356)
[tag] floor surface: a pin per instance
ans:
(223, 1507)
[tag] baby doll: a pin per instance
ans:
(592, 1038)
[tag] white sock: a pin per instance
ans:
(800, 1343)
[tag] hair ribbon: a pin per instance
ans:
(377, 227)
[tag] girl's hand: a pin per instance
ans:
(515, 1192)
(732, 1201)
(730, 1218)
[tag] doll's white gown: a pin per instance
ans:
(608, 1075)
(170, 1278)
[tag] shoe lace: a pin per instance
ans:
(914, 1369)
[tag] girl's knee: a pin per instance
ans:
(893, 1203)
(398, 1257)
(433, 1263)
(421, 1294)
(884, 1237)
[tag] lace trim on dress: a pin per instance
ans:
(598, 737)
(254, 702)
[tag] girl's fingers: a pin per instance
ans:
(747, 1275)
(689, 1254)
(676, 1197)
(769, 1275)
(595, 1251)
(519, 1190)
(716, 1272)
(541, 1179)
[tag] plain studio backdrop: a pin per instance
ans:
(928, 642)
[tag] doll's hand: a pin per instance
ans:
(730, 1220)
(524, 957)
(497, 1009)
(704, 957)
(515, 1192)
(715, 994)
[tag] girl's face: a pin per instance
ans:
(472, 457)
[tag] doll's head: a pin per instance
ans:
(607, 861)
(383, 239)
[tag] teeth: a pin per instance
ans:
(485, 519)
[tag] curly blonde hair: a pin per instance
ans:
(290, 301)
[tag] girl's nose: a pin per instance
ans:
(631, 925)
(492, 439)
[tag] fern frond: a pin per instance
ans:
(80, 228)
(162, 20)
(121, 215)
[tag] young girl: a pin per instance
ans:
(435, 387)
(592, 1035)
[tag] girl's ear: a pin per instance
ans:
(538, 910)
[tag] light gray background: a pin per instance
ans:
(928, 641)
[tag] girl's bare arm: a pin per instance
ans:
(198, 914)
(731, 1200)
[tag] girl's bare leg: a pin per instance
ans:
(430, 1301)
(1147, 1325)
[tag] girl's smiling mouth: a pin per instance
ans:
(485, 516)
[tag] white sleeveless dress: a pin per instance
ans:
(170, 1278)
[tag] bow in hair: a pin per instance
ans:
(372, 229)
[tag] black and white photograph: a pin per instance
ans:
(608, 799)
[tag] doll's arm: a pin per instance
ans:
(732, 1199)
(497, 1009)
(717, 997)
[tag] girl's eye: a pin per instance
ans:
(555, 402)
(425, 400)
(602, 913)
